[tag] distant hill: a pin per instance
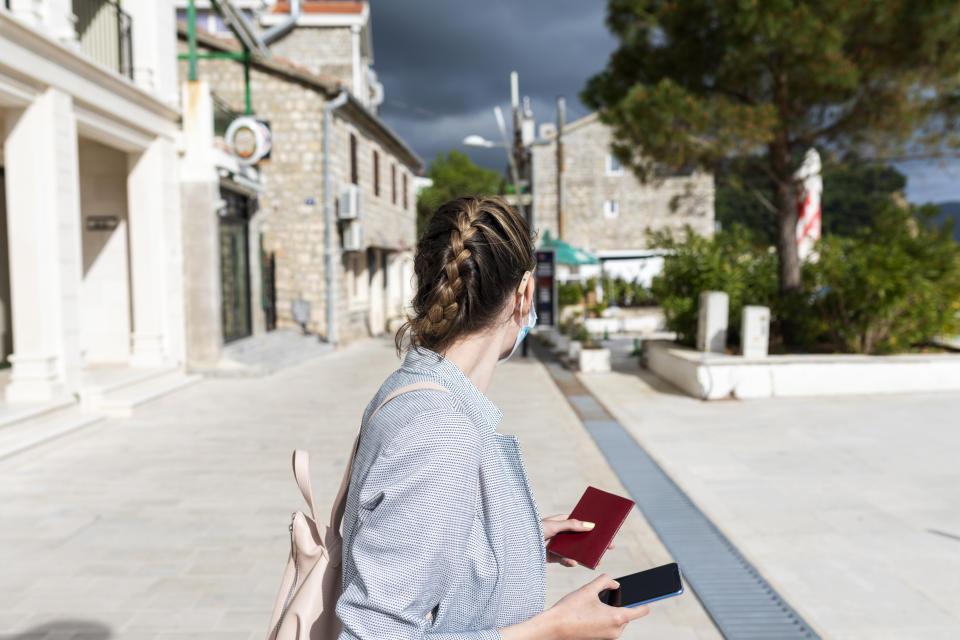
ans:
(951, 210)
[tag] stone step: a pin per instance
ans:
(99, 382)
(43, 428)
(12, 414)
(122, 401)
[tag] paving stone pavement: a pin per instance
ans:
(849, 506)
(172, 523)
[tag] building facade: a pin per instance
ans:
(90, 259)
(606, 209)
(371, 173)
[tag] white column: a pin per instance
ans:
(147, 191)
(43, 219)
(30, 11)
(155, 47)
(61, 21)
(355, 56)
(55, 17)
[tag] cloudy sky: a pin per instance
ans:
(445, 64)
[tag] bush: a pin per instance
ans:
(882, 290)
(886, 289)
(622, 293)
(729, 261)
(569, 293)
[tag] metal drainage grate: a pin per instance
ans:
(741, 603)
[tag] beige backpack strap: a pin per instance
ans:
(340, 504)
(301, 472)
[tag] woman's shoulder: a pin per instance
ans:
(416, 417)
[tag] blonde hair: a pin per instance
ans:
(473, 253)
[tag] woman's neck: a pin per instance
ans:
(476, 356)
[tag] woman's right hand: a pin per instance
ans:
(582, 616)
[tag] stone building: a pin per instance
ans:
(371, 170)
(606, 209)
(90, 237)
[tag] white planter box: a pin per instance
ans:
(596, 326)
(594, 360)
(561, 343)
(573, 351)
(712, 376)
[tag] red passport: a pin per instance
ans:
(607, 511)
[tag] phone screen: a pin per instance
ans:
(645, 586)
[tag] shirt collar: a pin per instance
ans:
(425, 361)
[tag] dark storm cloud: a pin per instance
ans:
(444, 64)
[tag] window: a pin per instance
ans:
(614, 168)
(404, 191)
(611, 209)
(393, 184)
(376, 173)
(354, 177)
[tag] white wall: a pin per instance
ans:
(105, 288)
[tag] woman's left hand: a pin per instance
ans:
(562, 522)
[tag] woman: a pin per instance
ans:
(442, 538)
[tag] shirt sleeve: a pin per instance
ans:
(417, 506)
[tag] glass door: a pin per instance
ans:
(234, 266)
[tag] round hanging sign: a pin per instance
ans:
(249, 139)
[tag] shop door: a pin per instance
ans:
(234, 265)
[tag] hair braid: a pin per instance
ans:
(469, 260)
(443, 311)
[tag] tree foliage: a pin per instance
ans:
(699, 81)
(453, 175)
(890, 287)
(852, 192)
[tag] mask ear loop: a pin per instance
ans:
(522, 288)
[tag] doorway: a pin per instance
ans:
(235, 264)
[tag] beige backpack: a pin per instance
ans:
(313, 580)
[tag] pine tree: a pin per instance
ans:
(695, 82)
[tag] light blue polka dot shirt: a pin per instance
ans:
(440, 516)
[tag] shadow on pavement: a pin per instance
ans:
(64, 630)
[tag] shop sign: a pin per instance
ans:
(249, 139)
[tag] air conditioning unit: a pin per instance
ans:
(353, 237)
(348, 205)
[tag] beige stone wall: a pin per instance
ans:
(291, 205)
(324, 50)
(667, 203)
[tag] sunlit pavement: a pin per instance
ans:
(172, 523)
(849, 506)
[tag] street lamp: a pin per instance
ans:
(474, 140)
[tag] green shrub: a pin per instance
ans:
(882, 290)
(579, 333)
(885, 289)
(569, 293)
(728, 261)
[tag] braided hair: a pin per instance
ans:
(472, 255)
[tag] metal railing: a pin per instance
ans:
(104, 32)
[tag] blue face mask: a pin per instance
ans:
(524, 330)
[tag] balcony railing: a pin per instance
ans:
(103, 29)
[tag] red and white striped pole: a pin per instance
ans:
(809, 189)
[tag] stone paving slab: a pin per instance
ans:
(846, 505)
(172, 523)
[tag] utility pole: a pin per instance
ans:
(561, 115)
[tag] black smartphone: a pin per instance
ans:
(645, 586)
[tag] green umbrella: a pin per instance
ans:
(566, 254)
